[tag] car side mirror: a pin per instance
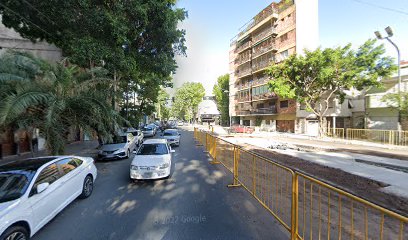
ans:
(42, 186)
(179, 134)
(172, 151)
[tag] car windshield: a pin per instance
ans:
(13, 184)
(147, 129)
(153, 149)
(170, 134)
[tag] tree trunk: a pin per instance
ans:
(321, 127)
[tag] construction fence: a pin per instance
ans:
(307, 207)
(391, 137)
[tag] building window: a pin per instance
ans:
(284, 37)
(284, 54)
(284, 104)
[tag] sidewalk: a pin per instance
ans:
(325, 144)
(84, 148)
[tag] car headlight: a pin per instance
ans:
(132, 167)
(119, 151)
(164, 165)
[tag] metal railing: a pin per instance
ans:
(243, 47)
(307, 207)
(392, 137)
(262, 35)
(336, 133)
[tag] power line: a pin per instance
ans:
(381, 7)
(29, 4)
(7, 8)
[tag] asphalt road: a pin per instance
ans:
(193, 204)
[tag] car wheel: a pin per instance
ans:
(128, 153)
(15, 233)
(87, 188)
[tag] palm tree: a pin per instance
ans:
(54, 98)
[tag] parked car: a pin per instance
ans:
(241, 129)
(121, 147)
(33, 191)
(172, 136)
(148, 132)
(155, 128)
(152, 160)
(138, 136)
(180, 123)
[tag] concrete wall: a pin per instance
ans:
(10, 39)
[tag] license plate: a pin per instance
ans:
(147, 174)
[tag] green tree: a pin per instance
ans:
(321, 75)
(54, 98)
(132, 39)
(161, 105)
(186, 100)
(399, 101)
(221, 92)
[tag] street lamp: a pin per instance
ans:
(390, 33)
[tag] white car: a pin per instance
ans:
(152, 160)
(138, 136)
(120, 147)
(172, 136)
(33, 191)
(148, 131)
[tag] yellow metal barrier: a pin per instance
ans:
(326, 212)
(391, 137)
(337, 133)
(306, 207)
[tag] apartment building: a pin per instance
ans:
(281, 29)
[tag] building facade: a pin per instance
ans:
(279, 30)
(380, 114)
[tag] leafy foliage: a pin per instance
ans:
(324, 74)
(187, 99)
(135, 40)
(221, 92)
(398, 100)
(54, 98)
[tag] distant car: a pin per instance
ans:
(154, 126)
(33, 191)
(148, 131)
(138, 136)
(241, 129)
(180, 123)
(121, 147)
(152, 160)
(172, 136)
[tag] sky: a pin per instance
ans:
(211, 24)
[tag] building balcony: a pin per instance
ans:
(265, 96)
(242, 59)
(258, 111)
(262, 50)
(261, 81)
(265, 13)
(243, 47)
(244, 72)
(243, 99)
(257, 66)
(244, 86)
(264, 34)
